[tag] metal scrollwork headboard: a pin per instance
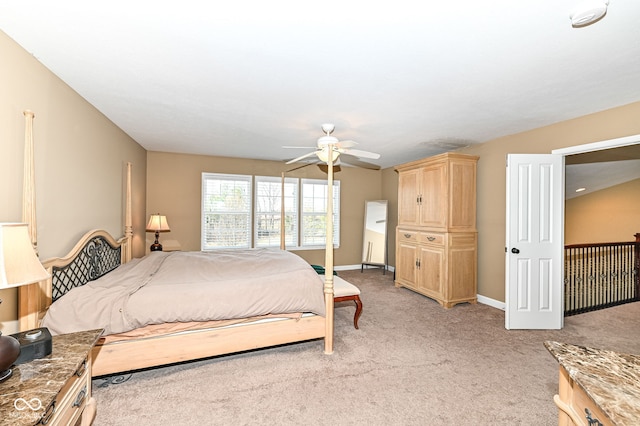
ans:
(95, 259)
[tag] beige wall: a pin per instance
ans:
(491, 184)
(174, 189)
(605, 216)
(79, 162)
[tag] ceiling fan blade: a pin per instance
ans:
(308, 154)
(362, 154)
(349, 159)
(346, 144)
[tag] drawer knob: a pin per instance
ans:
(407, 235)
(431, 238)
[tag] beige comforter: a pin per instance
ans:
(190, 286)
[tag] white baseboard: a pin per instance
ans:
(491, 302)
(358, 266)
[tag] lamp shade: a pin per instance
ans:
(158, 223)
(19, 264)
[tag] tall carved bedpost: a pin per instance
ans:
(328, 273)
(29, 295)
(28, 183)
(128, 227)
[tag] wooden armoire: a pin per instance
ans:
(436, 237)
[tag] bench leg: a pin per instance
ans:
(358, 311)
(358, 303)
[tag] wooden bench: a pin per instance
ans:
(344, 291)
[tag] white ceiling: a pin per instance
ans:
(406, 79)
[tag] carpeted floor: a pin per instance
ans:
(411, 363)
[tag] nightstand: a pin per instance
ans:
(54, 390)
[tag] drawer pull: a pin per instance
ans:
(431, 238)
(407, 235)
(82, 368)
(49, 413)
(80, 398)
(590, 420)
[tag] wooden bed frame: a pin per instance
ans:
(128, 355)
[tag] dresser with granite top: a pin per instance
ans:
(54, 390)
(597, 387)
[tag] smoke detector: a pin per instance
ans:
(588, 12)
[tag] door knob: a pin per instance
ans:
(515, 250)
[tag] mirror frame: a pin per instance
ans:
(366, 243)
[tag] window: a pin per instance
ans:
(314, 212)
(231, 220)
(226, 211)
(267, 211)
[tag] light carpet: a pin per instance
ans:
(412, 362)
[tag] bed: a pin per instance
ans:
(98, 254)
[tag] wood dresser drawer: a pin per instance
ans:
(406, 236)
(431, 238)
(70, 402)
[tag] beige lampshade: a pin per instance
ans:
(158, 223)
(19, 264)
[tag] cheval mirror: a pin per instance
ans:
(374, 247)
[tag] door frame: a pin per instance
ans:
(599, 146)
(590, 147)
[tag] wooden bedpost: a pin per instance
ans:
(28, 183)
(328, 273)
(128, 227)
(282, 227)
(29, 295)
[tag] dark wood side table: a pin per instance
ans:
(54, 390)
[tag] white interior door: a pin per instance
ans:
(534, 241)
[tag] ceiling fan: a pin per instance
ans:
(329, 144)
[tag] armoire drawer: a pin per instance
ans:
(431, 238)
(407, 236)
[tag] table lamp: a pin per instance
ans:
(157, 223)
(19, 266)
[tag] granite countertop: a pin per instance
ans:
(27, 394)
(610, 379)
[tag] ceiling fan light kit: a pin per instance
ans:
(588, 12)
(323, 154)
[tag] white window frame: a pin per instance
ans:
(205, 245)
(273, 207)
(320, 212)
(293, 210)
